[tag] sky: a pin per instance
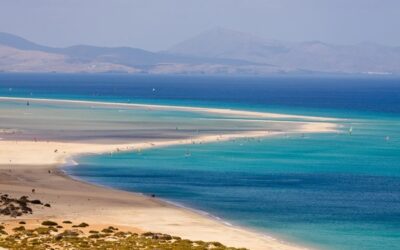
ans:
(158, 24)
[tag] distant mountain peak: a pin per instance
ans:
(223, 43)
(18, 42)
(215, 51)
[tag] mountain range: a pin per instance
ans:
(217, 51)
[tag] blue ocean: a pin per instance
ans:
(328, 191)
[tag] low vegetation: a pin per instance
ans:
(15, 207)
(48, 236)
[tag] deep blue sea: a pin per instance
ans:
(330, 191)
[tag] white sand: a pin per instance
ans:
(220, 111)
(24, 165)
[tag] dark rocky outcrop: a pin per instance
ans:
(15, 207)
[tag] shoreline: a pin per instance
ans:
(27, 162)
(174, 107)
(201, 225)
(192, 210)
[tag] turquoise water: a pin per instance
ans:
(330, 191)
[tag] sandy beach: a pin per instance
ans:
(220, 111)
(27, 165)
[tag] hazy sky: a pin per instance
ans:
(158, 24)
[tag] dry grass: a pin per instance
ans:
(49, 237)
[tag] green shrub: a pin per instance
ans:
(107, 230)
(49, 223)
(19, 229)
(83, 224)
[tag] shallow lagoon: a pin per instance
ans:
(333, 191)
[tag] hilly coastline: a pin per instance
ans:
(217, 51)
